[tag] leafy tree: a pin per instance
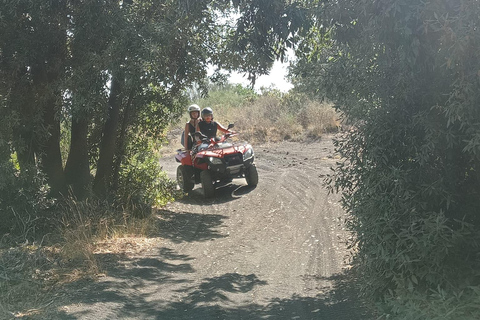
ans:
(112, 75)
(262, 33)
(406, 74)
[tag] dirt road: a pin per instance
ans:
(273, 252)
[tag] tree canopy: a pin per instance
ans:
(88, 87)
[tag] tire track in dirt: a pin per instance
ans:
(275, 251)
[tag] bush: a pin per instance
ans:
(23, 201)
(142, 183)
(405, 74)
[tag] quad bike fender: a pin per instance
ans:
(202, 166)
(184, 158)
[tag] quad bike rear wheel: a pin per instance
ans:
(184, 178)
(251, 175)
(207, 183)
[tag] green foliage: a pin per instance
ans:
(22, 202)
(142, 183)
(405, 74)
(261, 34)
(85, 82)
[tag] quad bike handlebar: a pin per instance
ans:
(201, 137)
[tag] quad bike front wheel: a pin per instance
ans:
(184, 178)
(207, 183)
(251, 175)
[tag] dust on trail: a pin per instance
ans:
(273, 252)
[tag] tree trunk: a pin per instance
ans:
(25, 142)
(49, 145)
(47, 75)
(107, 146)
(26, 151)
(51, 155)
(122, 138)
(77, 169)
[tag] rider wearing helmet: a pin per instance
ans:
(209, 127)
(190, 126)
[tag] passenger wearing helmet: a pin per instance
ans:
(190, 126)
(209, 127)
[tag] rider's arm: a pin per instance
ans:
(223, 129)
(185, 137)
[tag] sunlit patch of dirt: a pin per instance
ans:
(126, 245)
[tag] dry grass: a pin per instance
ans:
(318, 119)
(268, 118)
(27, 278)
(30, 275)
(85, 226)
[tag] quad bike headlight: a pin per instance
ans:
(248, 154)
(215, 161)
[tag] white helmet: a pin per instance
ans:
(193, 108)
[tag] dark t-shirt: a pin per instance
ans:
(191, 129)
(208, 129)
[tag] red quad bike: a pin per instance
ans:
(216, 161)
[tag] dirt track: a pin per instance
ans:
(273, 252)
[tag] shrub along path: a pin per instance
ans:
(276, 251)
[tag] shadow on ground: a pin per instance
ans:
(164, 285)
(189, 227)
(223, 193)
(229, 296)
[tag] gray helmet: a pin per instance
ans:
(193, 108)
(207, 111)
